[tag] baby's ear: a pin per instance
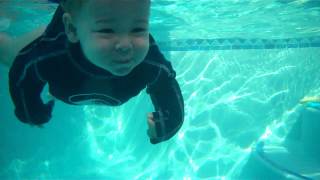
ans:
(69, 28)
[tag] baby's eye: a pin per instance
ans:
(139, 30)
(108, 31)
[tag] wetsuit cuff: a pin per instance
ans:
(163, 128)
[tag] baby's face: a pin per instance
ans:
(114, 34)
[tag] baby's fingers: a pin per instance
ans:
(151, 127)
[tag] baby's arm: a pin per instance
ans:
(10, 46)
(168, 102)
(167, 99)
(25, 87)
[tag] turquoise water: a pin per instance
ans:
(243, 66)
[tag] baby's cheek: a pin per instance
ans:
(142, 46)
(142, 42)
(102, 47)
(91, 51)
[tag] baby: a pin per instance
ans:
(97, 52)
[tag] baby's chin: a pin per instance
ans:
(121, 71)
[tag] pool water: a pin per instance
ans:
(242, 66)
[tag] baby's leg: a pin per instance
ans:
(10, 46)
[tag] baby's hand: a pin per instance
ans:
(152, 128)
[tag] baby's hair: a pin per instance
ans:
(72, 6)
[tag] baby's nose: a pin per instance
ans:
(124, 46)
(123, 49)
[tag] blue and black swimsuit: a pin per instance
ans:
(52, 59)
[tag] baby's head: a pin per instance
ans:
(114, 34)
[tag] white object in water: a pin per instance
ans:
(297, 157)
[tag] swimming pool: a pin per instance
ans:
(243, 66)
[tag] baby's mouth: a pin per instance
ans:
(123, 61)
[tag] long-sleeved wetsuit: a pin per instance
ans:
(52, 59)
